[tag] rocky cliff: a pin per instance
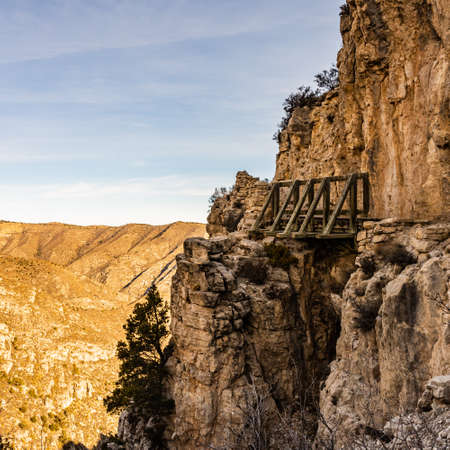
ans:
(65, 292)
(289, 344)
(389, 116)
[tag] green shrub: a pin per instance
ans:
(16, 381)
(344, 10)
(5, 444)
(395, 253)
(328, 79)
(307, 97)
(142, 359)
(367, 265)
(279, 256)
(304, 97)
(366, 316)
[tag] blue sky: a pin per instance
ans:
(119, 111)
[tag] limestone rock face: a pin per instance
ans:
(374, 330)
(389, 116)
(395, 328)
(241, 326)
(239, 209)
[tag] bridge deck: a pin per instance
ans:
(321, 208)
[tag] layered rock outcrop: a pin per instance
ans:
(395, 326)
(238, 209)
(246, 323)
(245, 330)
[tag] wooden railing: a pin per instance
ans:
(296, 212)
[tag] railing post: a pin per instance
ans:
(366, 194)
(312, 207)
(292, 191)
(353, 201)
(326, 204)
(275, 201)
(297, 209)
(339, 205)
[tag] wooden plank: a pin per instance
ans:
(263, 210)
(297, 210)
(294, 187)
(336, 236)
(313, 206)
(340, 204)
(299, 235)
(285, 183)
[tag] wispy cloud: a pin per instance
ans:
(44, 29)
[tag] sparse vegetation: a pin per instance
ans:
(142, 358)
(366, 315)
(395, 253)
(5, 444)
(367, 265)
(307, 97)
(279, 256)
(219, 192)
(344, 10)
(328, 79)
(304, 97)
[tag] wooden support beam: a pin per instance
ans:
(339, 205)
(263, 210)
(297, 209)
(313, 206)
(366, 194)
(336, 236)
(275, 200)
(292, 190)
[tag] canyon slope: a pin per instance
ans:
(125, 259)
(65, 292)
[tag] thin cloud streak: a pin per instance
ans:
(44, 30)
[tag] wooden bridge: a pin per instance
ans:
(294, 208)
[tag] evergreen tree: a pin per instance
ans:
(142, 358)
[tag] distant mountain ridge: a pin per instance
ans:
(124, 258)
(65, 292)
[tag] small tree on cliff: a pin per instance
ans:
(142, 358)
